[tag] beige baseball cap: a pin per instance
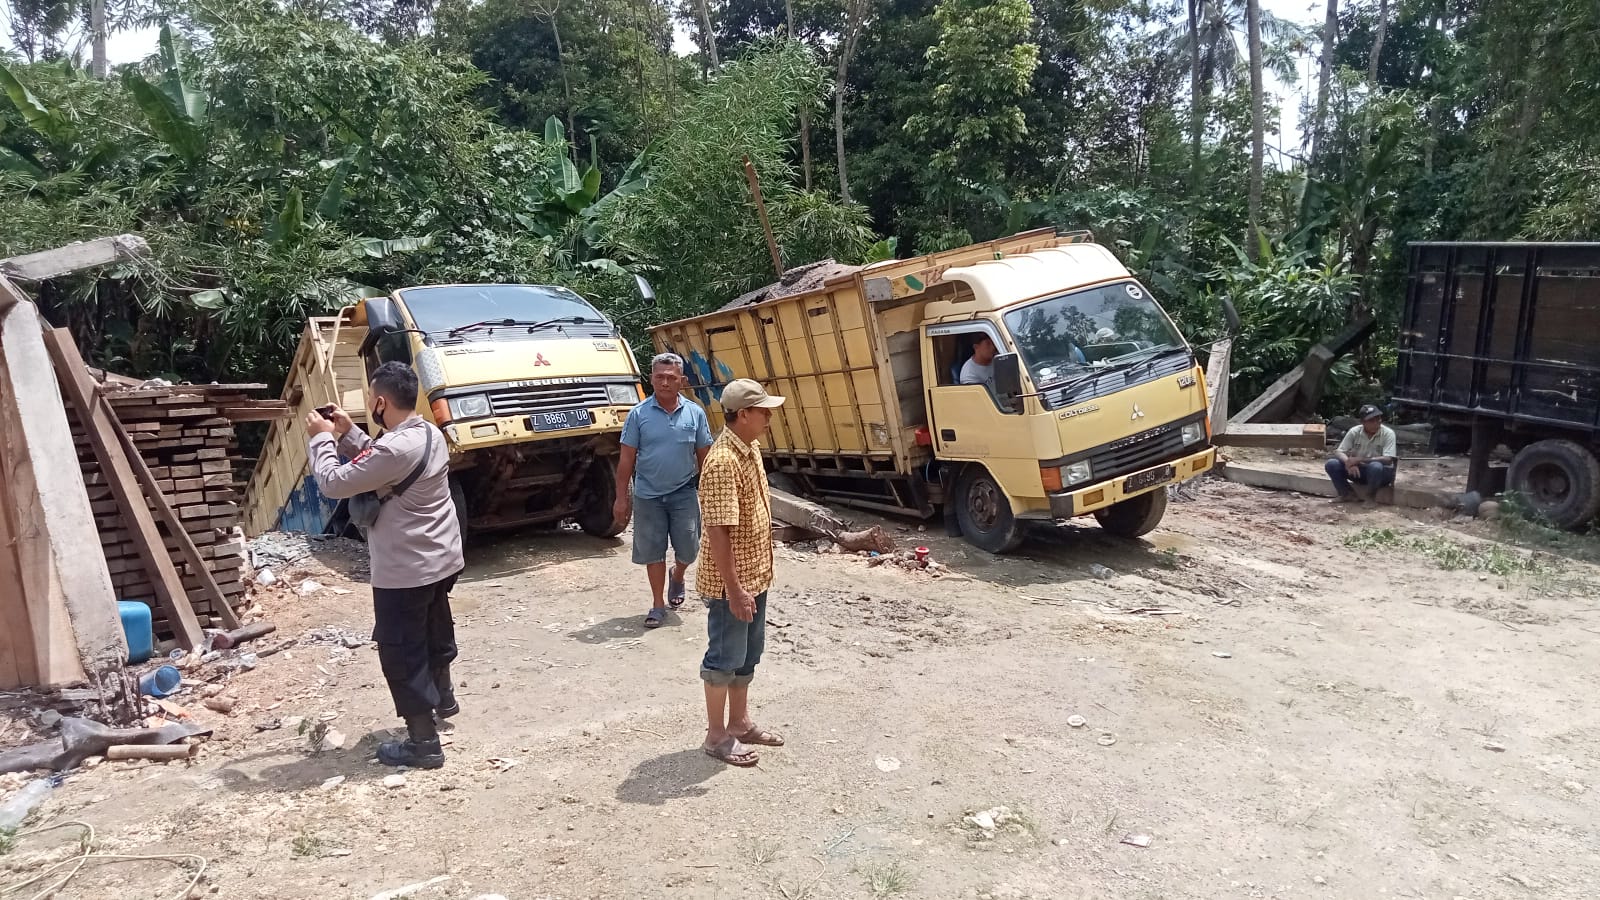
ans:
(744, 393)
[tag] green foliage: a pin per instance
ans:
(1287, 302)
(695, 222)
(982, 66)
(1447, 554)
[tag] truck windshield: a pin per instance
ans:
(438, 310)
(1087, 331)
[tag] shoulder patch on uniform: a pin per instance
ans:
(362, 455)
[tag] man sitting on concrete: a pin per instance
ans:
(1366, 456)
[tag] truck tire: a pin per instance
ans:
(600, 494)
(1136, 517)
(458, 499)
(984, 513)
(1560, 479)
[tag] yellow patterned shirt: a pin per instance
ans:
(733, 491)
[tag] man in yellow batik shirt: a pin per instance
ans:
(735, 572)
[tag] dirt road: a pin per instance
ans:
(1288, 716)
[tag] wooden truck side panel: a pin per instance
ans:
(327, 368)
(818, 349)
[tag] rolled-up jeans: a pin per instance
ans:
(1373, 474)
(733, 648)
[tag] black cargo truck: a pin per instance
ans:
(1500, 344)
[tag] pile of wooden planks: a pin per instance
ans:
(185, 437)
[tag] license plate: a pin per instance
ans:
(560, 420)
(1141, 480)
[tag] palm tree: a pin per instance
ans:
(1257, 125)
(1207, 46)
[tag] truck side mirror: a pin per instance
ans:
(645, 290)
(383, 319)
(1008, 379)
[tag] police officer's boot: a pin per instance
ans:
(420, 749)
(447, 693)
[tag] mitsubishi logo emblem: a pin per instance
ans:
(1137, 414)
(539, 360)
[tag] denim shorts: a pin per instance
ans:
(733, 648)
(675, 517)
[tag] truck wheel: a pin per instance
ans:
(597, 516)
(458, 499)
(1561, 479)
(984, 513)
(1135, 517)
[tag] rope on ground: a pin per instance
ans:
(78, 862)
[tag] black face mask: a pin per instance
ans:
(377, 414)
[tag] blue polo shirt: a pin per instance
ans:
(666, 442)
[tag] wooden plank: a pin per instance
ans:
(114, 458)
(48, 264)
(264, 414)
(1252, 434)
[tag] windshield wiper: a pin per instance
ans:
(1158, 353)
(1066, 387)
(522, 323)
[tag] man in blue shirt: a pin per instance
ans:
(664, 441)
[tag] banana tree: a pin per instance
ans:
(569, 206)
(175, 110)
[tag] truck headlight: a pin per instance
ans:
(1194, 432)
(471, 406)
(622, 394)
(1076, 473)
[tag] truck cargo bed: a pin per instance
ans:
(1504, 330)
(327, 368)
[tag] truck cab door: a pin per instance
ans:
(968, 421)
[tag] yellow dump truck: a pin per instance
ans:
(530, 385)
(1096, 402)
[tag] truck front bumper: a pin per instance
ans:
(479, 434)
(1085, 500)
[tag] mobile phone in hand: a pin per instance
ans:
(326, 412)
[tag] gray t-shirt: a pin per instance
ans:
(974, 372)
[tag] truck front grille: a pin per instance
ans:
(546, 398)
(1139, 451)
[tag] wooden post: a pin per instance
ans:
(102, 428)
(57, 607)
(761, 210)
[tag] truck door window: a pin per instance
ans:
(951, 352)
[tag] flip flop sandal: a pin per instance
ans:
(655, 618)
(762, 738)
(733, 753)
(675, 591)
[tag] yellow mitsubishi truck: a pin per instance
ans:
(1093, 402)
(530, 385)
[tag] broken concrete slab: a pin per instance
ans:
(1273, 437)
(1315, 482)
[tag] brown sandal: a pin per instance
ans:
(732, 752)
(762, 738)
